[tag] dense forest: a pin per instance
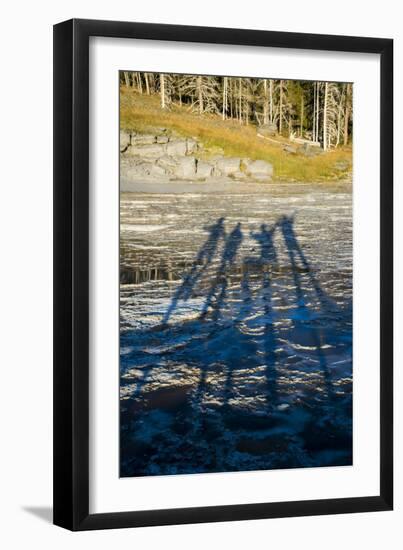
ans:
(317, 111)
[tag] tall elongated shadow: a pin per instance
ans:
(201, 263)
(257, 302)
(233, 337)
(286, 225)
(295, 253)
(268, 259)
(217, 294)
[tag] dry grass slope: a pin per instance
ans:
(140, 112)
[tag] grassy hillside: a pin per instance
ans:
(140, 112)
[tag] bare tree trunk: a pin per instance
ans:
(301, 115)
(280, 122)
(139, 83)
(265, 103)
(162, 90)
(317, 109)
(339, 113)
(271, 101)
(200, 94)
(314, 113)
(231, 103)
(127, 81)
(147, 83)
(240, 101)
(347, 113)
(325, 136)
(225, 98)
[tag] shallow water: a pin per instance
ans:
(236, 330)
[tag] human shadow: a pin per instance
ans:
(247, 285)
(216, 296)
(216, 262)
(268, 259)
(199, 266)
(256, 301)
(297, 256)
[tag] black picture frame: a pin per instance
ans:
(71, 274)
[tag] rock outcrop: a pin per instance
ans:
(162, 156)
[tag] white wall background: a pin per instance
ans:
(26, 280)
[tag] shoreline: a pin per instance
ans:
(219, 186)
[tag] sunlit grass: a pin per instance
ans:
(140, 112)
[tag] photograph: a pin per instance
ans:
(236, 263)
(205, 354)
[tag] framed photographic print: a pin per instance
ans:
(223, 321)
